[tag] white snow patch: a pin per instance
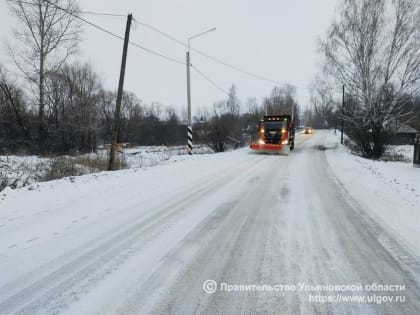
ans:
(390, 191)
(21, 171)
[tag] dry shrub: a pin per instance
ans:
(395, 157)
(62, 167)
(65, 166)
(98, 163)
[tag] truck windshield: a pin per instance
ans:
(273, 125)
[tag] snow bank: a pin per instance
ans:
(403, 153)
(156, 155)
(18, 172)
(389, 191)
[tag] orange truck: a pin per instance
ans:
(275, 134)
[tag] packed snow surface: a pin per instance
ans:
(146, 240)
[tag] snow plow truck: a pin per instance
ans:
(275, 134)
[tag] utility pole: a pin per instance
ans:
(342, 117)
(116, 125)
(189, 124)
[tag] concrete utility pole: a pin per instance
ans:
(116, 125)
(342, 118)
(189, 123)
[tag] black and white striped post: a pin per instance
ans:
(189, 140)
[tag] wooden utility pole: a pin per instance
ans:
(116, 125)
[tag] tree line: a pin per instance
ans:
(78, 115)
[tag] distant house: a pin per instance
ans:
(405, 134)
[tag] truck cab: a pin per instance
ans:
(274, 133)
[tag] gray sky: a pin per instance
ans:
(273, 38)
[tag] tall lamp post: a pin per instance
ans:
(189, 127)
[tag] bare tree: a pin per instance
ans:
(308, 117)
(72, 107)
(282, 101)
(253, 106)
(323, 104)
(131, 115)
(225, 125)
(232, 104)
(374, 50)
(12, 104)
(47, 36)
(155, 109)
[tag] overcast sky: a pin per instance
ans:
(276, 39)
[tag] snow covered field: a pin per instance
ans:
(145, 240)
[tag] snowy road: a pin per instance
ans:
(139, 242)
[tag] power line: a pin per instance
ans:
(236, 68)
(204, 54)
(23, 2)
(104, 14)
(157, 54)
(212, 82)
(224, 63)
(160, 32)
(104, 30)
(257, 76)
(209, 80)
(81, 12)
(117, 36)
